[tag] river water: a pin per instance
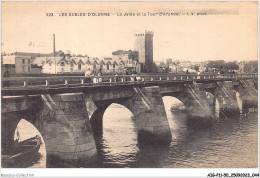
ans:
(230, 143)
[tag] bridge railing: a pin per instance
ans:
(81, 81)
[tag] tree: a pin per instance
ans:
(231, 66)
(196, 68)
(167, 69)
(134, 55)
(219, 64)
(36, 66)
(222, 65)
(251, 66)
(154, 68)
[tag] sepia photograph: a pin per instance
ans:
(144, 84)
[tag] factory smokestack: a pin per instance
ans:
(53, 45)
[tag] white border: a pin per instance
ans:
(129, 172)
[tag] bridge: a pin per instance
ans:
(59, 106)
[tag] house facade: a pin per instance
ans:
(22, 64)
(37, 64)
(241, 67)
(62, 65)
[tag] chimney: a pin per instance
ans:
(53, 45)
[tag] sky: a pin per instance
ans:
(184, 35)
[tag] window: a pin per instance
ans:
(49, 64)
(28, 61)
(29, 69)
(107, 66)
(23, 69)
(101, 66)
(23, 61)
(71, 64)
(79, 66)
(62, 64)
(94, 66)
(114, 65)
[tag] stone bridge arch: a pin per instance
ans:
(96, 118)
(198, 111)
(11, 120)
(170, 99)
(62, 120)
(147, 107)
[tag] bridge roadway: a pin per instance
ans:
(61, 108)
(13, 86)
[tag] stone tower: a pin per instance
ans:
(144, 46)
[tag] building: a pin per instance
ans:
(202, 68)
(241, 67)
(185, 64)
(16, 64)
(21, 64)
(63, 65)
(129, 58)
(144, 46)
(168, 62)
(25, 63)
(175, 68)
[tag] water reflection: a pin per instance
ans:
(118, 145)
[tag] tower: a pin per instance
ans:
(144, 46)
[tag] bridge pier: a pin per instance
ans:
(211, 98)
(198, 111)
(64, 125)
(226, 95)
(148, 108)
(97, 120)
(249, 95)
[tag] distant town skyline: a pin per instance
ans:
(230, 37)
